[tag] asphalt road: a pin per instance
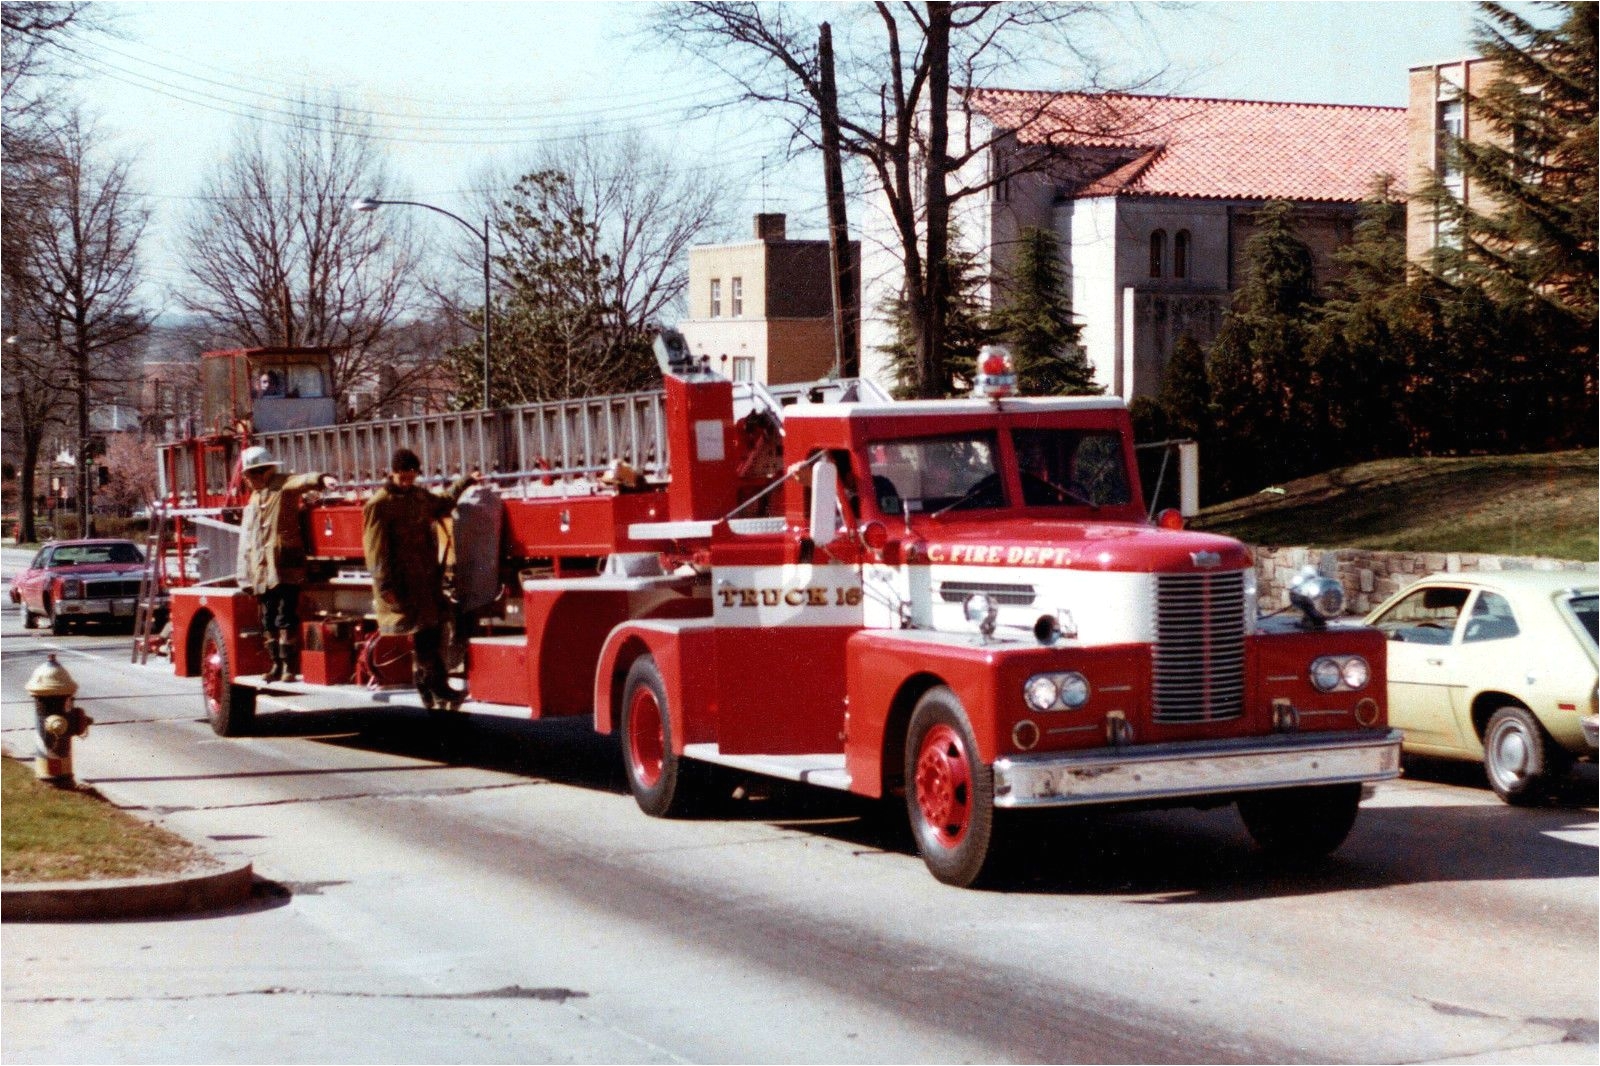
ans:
(492, 894)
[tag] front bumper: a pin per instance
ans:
(121, 607)
(1172, 771)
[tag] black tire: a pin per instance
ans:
(29, 619)
(230, 708)
(663, 784)
(1519, 757)
(59, 626)
(1300, 824)
(950, 793)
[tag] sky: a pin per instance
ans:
(454, 88)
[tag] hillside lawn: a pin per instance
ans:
(1534, 505)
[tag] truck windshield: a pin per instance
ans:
(1071, 467)
(936, 473)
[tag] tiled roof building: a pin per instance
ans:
(1153, 199)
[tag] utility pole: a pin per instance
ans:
(843, 266)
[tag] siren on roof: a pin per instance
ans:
(996, 377)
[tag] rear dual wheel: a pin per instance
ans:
(664, 784)
(230, 708)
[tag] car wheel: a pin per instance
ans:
(29, 619)
(1518, 757)
(950, 793)
(230, 708)
(664, 784)
(1299, 824)
(58, 624)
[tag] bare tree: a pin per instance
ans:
(275, 256)
(903, 71)
(74, 283)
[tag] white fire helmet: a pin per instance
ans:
(256, 457)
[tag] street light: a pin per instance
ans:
(368, 203)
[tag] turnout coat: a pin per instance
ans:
(402, 550)
(272, 546)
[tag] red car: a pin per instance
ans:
(73, 581)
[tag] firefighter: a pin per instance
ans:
(272, 553)
(402, 553)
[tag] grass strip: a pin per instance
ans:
(51, 834)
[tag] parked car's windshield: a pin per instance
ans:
(80, 554)
(1584, 609)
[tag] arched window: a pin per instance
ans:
(1158, 253)
(1180, 254)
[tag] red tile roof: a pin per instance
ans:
(1212, 149)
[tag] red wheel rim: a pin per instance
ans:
(646, 739)
(211, 679)
(944, 785)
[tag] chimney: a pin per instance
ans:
(770, 227)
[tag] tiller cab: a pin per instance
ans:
(958, 602)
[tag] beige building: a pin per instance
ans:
(1437, 109)
(762, 310)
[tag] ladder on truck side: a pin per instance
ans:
(151, 586)
(531, 445)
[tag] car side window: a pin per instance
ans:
(1426, 616)
(1491, 619)
(41, 560)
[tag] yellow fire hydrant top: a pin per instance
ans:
(51, 679)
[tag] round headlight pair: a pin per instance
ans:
(1056, 692)
(1331, 672)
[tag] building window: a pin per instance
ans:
(1180, 254)
(736, 297)
(1450, 129)
(744, 368)
(1158, 253)
(716, 297)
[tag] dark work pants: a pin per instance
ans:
(428, 670)
(280, 612)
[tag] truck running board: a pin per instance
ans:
(825, 769)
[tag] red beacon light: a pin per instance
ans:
(996, 378)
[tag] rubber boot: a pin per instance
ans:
(275, 652)
(422, 677)
(290, 653)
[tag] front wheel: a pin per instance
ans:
(230, 708)
(1301, 823)
(949, 793)
(29, 619)
(58, 624)
(663, 783)
(1518, 757)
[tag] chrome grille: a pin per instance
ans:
(1199, 652)
(958, 591)
(109, 588)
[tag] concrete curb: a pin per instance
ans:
(134, 897)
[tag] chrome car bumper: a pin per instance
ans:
(1164, 771)
(121, 607)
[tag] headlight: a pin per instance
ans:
(71, 588)
(1040, 692)
(1332, 672)
(1326, 675)
(1056, 692)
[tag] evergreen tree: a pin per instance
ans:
(965, 331)
(1185, 396)
(1036, 322)
(1528, 239)
(1260, 375)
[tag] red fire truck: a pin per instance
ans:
(961, 602)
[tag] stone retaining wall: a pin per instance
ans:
(1370, 577)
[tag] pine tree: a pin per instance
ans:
(1259, 373)
(1528, 238)
(1036, 322)
(965, 331)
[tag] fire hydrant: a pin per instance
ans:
(57, 720)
